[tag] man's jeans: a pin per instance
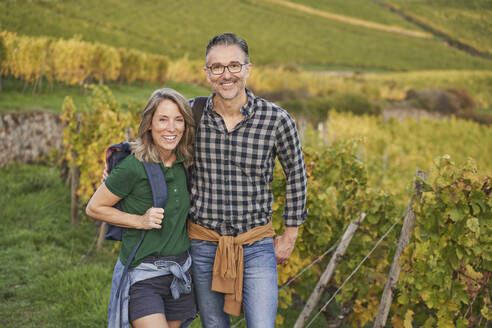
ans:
(259, 288)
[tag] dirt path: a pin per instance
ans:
(352, 21)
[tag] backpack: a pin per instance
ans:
(114, 155)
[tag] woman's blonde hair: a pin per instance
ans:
(144, 148)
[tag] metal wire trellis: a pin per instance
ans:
(356, 269)
(351, 274)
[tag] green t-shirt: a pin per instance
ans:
(129, 181)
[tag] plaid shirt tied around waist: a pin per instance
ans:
(233, 169)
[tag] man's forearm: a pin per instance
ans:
(290, 233)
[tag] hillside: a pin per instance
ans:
(178, 28)
(360, 9)
(466, 21)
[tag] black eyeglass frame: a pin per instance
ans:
(226, 66)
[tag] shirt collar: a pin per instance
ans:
(248, 108)
(179, 158)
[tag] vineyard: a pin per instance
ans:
(293, 37)
(415, 194)
(357, 166)
(75, 62)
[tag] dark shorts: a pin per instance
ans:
(153, 295)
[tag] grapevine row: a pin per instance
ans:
(74, 61)
(446, 268)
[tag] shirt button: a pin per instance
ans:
(175, 190)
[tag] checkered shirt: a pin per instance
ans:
(233, 169)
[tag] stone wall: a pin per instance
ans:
(26, 137)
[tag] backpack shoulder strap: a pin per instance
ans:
(187, 174)
(159, 196)
(129, 261)
(157, 183)
(197, 109)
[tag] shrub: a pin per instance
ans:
(466, 102)
(451, 101)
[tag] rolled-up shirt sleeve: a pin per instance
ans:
(290, 155)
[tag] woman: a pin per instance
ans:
(165, 136)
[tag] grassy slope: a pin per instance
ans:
(42, 282)
(468, 21)
(12, 98)
(361, 9)
(174, 29)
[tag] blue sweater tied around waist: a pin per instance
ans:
(118, 304)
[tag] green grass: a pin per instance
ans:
(360, 9)
(465, 20)
(13, 99)
(275, 34)
(43, 280)
(341, 68)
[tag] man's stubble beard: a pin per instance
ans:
(241, 88)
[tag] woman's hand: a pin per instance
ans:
(101, 207)
(152, 219)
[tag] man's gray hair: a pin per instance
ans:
(228, 39)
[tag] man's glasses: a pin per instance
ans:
(218, 69)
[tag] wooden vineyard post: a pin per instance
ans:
(74, 204)
(328, 273)
(75, 181)
(128, 133)
(100, 237)
(394, 273)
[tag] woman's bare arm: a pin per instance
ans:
(101, 207)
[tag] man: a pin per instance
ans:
(238, 139)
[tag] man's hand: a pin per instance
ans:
(152, 219)
(284, 245)
(105, 173)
